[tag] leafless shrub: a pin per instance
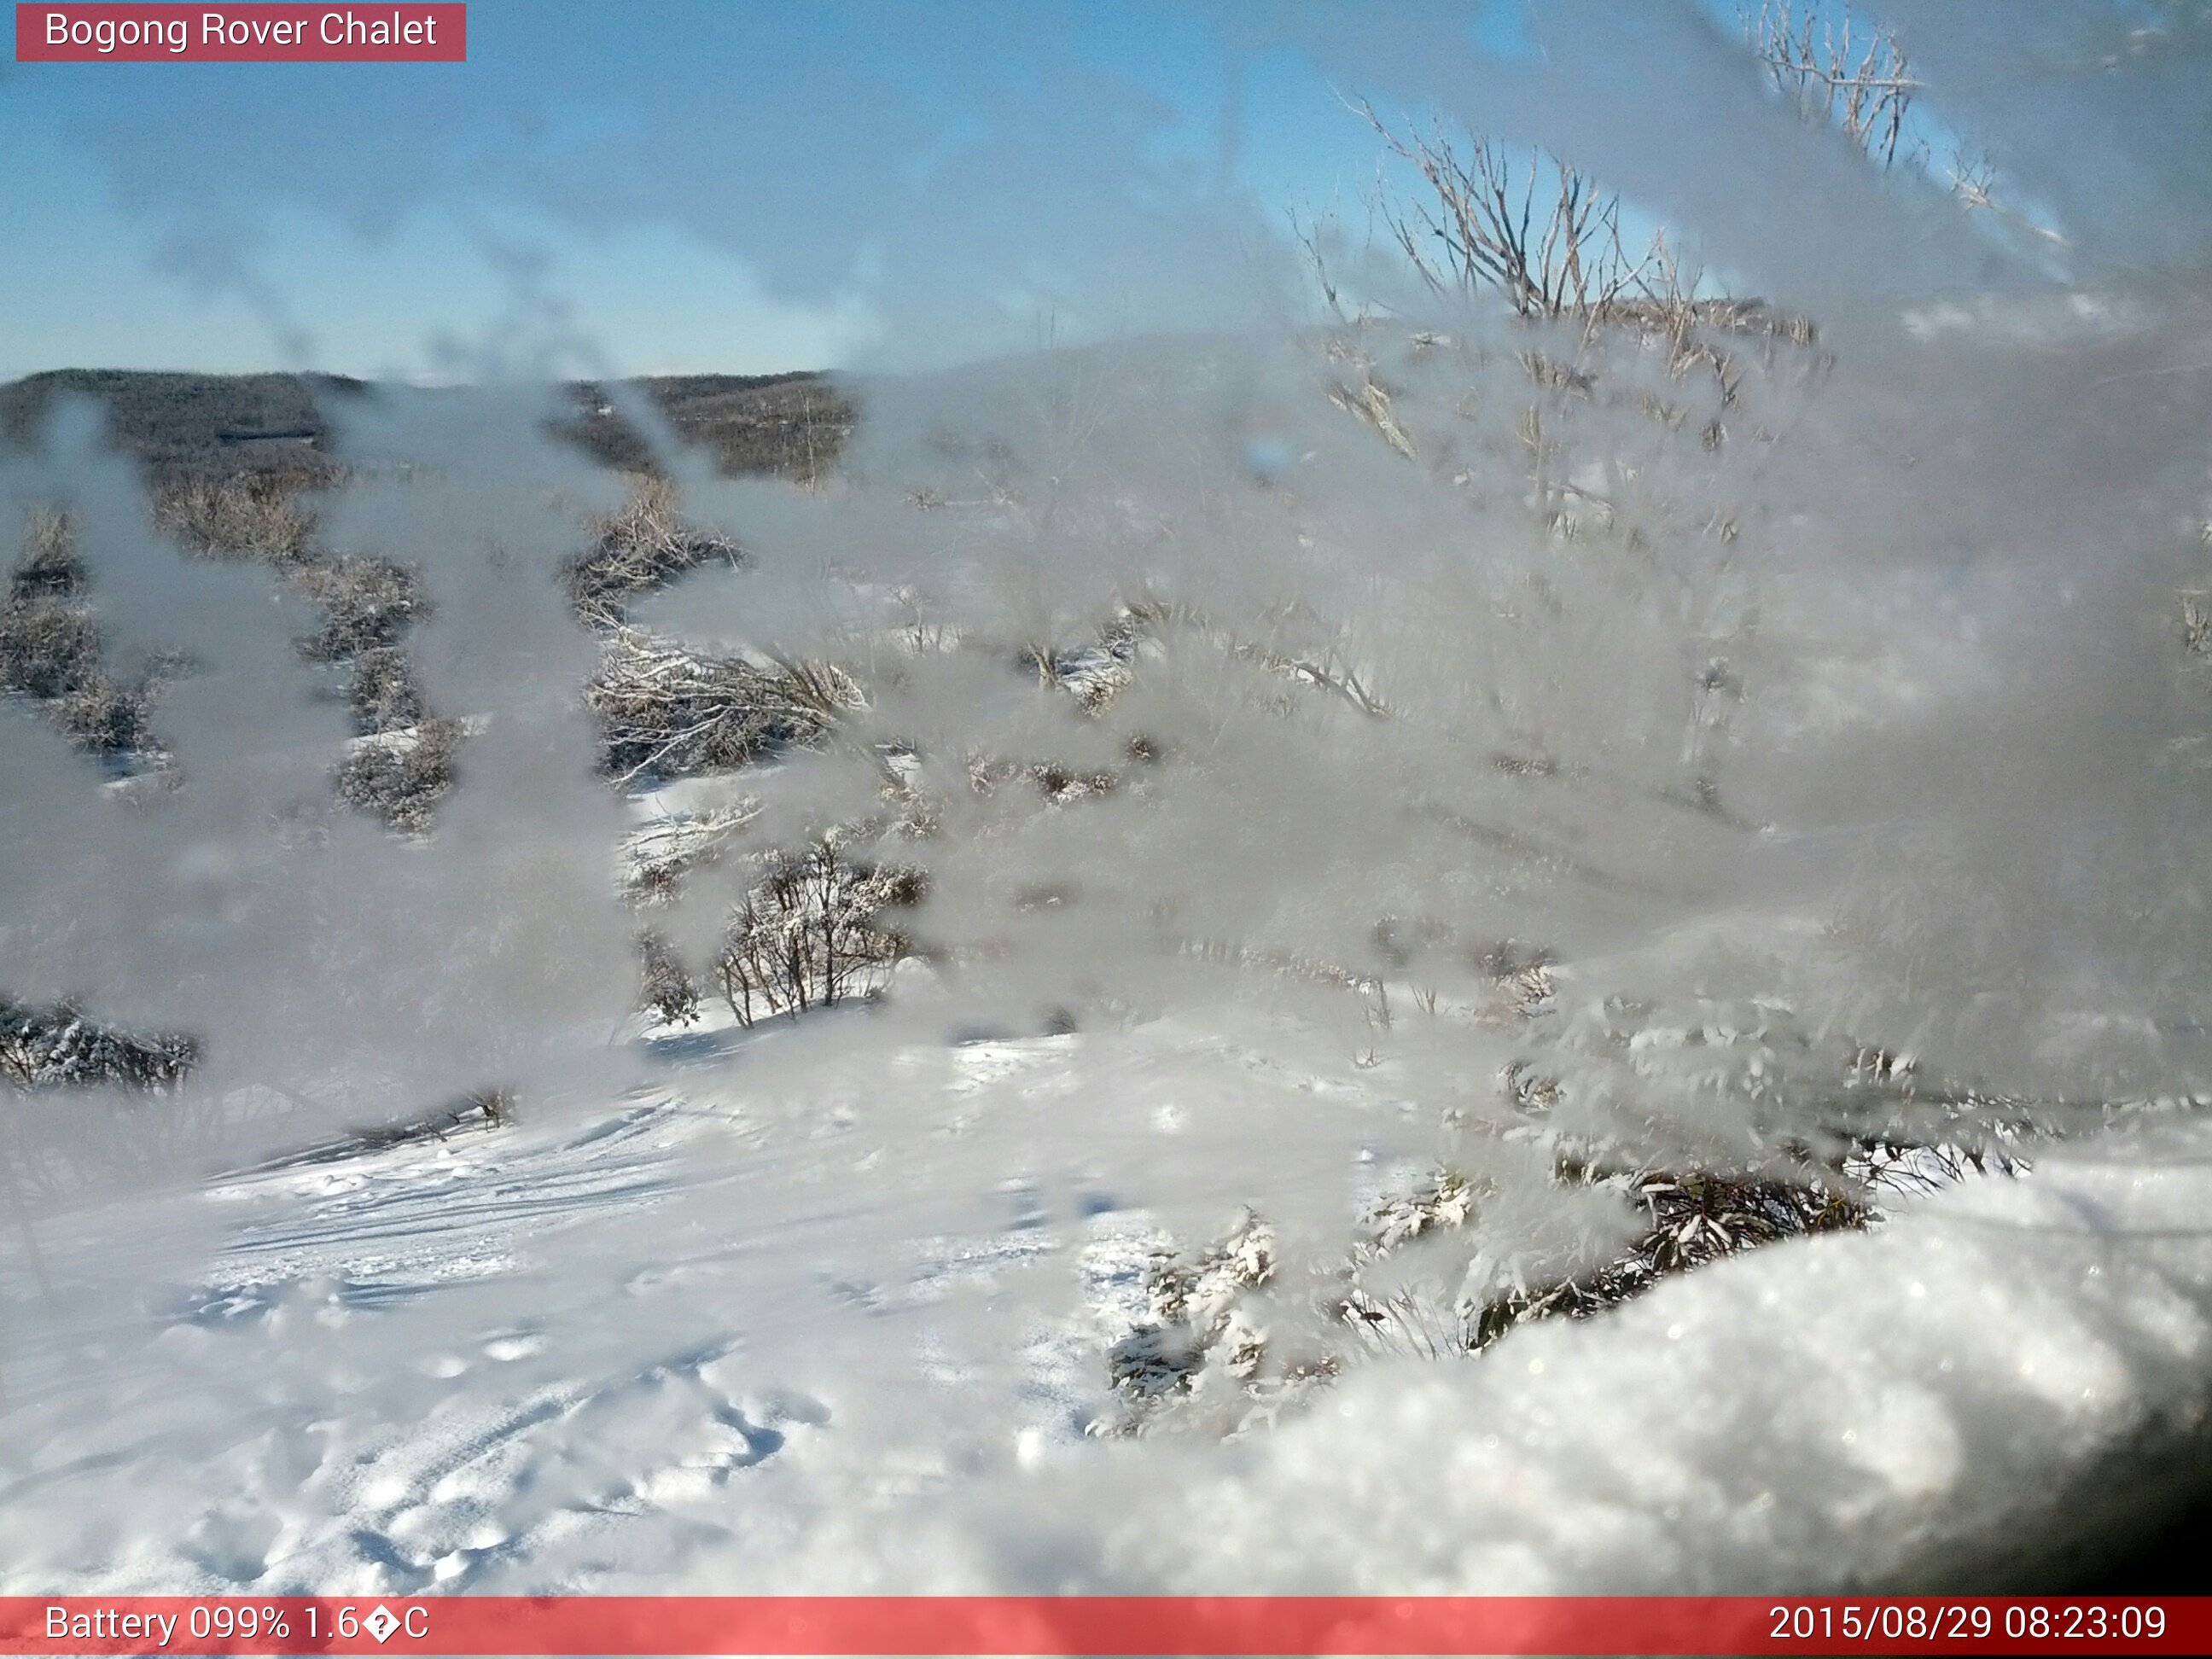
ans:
(490, 1107)
(50, 564)
(811, 934)
(1370, 401)
(669, 713)
(495, 1106)
(665, 711)
(1323, 666)
(644, 546)
(1853, 75)
(1841, 71)
(51, 646)
(1539, 232)
(250, 515)
(1316, 237)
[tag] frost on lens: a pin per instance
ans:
(1513, 865)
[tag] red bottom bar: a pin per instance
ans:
(1144, 1625)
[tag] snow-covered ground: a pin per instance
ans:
(1275, 843)
(696, 1339)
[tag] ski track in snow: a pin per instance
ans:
(274, 1436)
(392, 1224)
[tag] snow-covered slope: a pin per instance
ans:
(665, 1346)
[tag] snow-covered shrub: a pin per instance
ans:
(56, 1047)
(367, 605)
(383, 691)
(401, 762)
(666, 989)
(1201, 1357)
(474, 1109)
(1691, 1218)
(1448, 1261)
(399, 775)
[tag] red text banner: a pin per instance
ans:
(242, 33)
(1242, 1625)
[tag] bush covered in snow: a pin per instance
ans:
(59, 1046)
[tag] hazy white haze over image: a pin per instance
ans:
(1218, 799)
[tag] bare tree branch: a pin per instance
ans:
(1479, 228)
(1860, 82)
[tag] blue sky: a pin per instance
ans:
(749, 185)
(683, 185)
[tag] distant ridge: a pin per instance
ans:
(181, 424)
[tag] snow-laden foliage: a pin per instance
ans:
(1201, 1352)
(1448, 1263)
(58, 1048)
